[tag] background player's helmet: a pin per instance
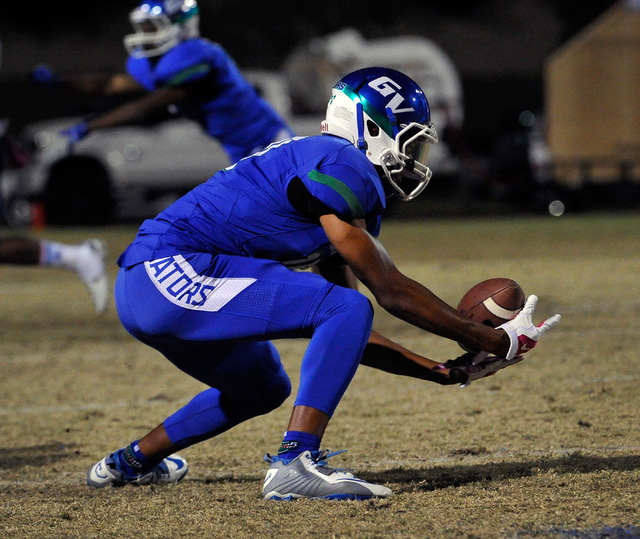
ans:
(386, 115)
(160, 25)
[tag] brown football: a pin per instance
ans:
(493, 302)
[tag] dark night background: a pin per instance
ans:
(262, 33)
(499, 46)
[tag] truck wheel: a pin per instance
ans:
(78, 193)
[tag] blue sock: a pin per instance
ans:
(295, 443)
(131, 461)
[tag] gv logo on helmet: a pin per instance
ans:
(385, 87)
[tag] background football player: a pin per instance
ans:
(169, 59)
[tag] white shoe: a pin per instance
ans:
(106, 473)
(91, 268)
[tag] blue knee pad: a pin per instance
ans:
(261, 383)
(250, 381)
(261, 401)
(211, 413)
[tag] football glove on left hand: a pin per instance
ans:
(475, 365)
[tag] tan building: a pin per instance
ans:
(592, 94)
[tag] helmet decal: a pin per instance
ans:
(386, 86)
(378, 117)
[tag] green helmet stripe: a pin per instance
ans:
(373, 113)
(342, 189)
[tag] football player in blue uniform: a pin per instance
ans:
(180, 69)
(212, 280)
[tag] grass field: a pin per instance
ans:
(548, 448)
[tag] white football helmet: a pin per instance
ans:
(160, 25)
(386, 115)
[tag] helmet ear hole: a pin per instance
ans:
(373, 129)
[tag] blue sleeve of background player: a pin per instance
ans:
(189, 61)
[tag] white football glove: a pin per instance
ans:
(473, 366)
(523, 334)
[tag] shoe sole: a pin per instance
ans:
(291, 497)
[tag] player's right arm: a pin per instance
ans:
(402, 296)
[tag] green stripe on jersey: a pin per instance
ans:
(342, 189)
(187, 73)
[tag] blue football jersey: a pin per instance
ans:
(246, 209)
(224, 103)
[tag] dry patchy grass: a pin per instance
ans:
(548, 448)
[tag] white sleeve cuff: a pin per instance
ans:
(513, 339)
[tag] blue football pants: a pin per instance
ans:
(214, 317)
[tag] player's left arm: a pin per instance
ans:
(389, 356)
(381, 352)
(386, 355)
(336, 272)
